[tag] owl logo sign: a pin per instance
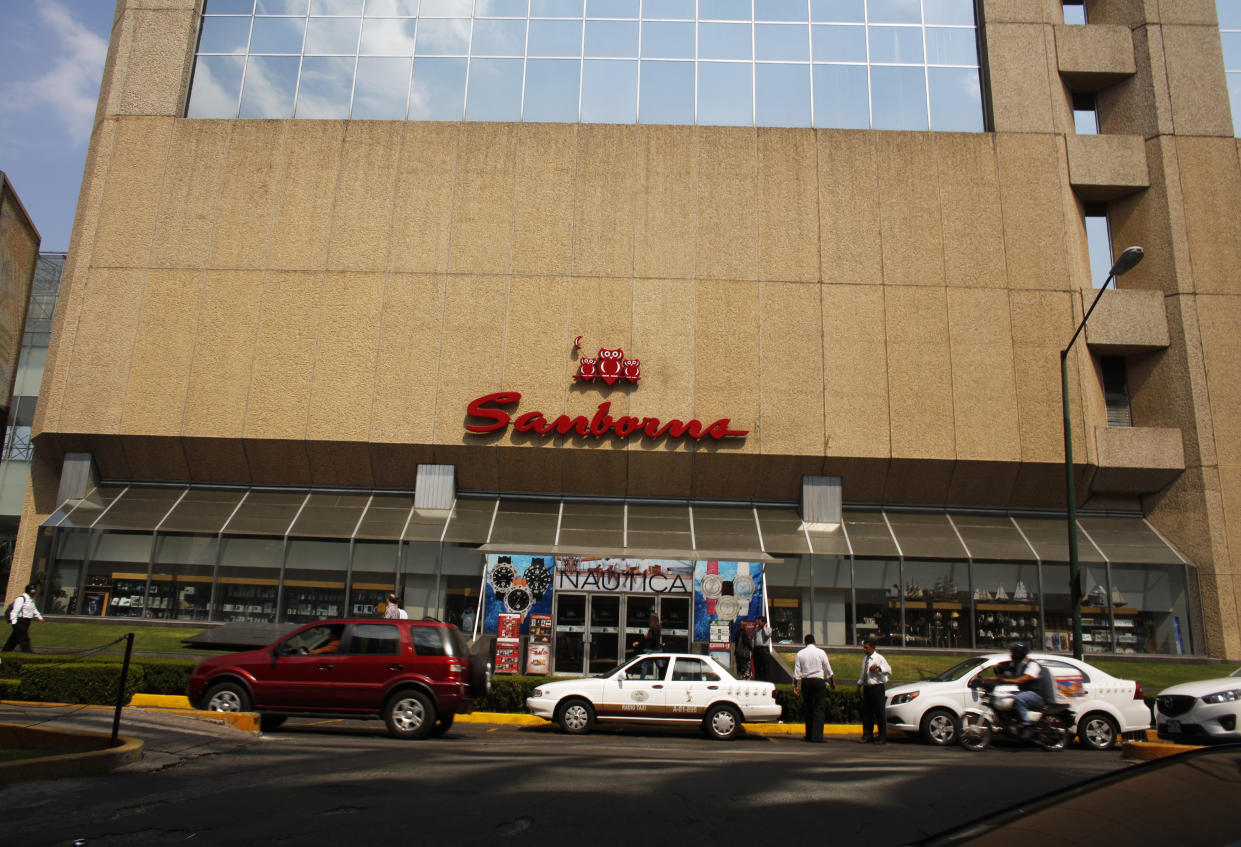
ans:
(609, 367)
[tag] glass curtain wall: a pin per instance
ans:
(881, 64)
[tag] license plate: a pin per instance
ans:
(1174, 727)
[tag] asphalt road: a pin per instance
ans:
(346, 782)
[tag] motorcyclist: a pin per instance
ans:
(1035, 684)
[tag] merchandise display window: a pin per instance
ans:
(249, 577)
(936, 597)
(877, 595)
(181, 577)
(1149, 605)
(314, 579)
(1006, 605)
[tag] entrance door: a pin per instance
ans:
(674, 615)
(638, 608)
(605, 632)
(570, 634)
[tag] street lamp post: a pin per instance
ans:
(1125, 263)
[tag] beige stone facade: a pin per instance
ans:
(315, 302)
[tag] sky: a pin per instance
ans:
(51, 61)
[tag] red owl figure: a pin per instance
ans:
(586, 368)
(632, 369)
(610, 365)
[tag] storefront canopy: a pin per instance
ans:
(636, 529)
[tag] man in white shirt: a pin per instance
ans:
(23, 612)
(870, 683)
(812, 673)
(392, 611)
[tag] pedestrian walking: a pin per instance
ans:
(871, 684)
(762, 651)
(812, 673)
(22, 612)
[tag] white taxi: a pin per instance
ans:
(659, 689)
(1104, 708)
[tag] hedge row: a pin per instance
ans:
(61, 679)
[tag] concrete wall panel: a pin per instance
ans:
(191, 190)
(423, 210)
(346, 357)
(290, 317)
(603, 200)
(984, 385)
(1032, 196)
(791, 413)
(909, 209)
(665, 205)
(224, 343)
(543, 199)
(482, 207)
(131, 196)
(969, 210)
(855, 372)
(303, 224)
(727, 235)
(248, 194)
(788, 205)
(163, 352)
(919, 373)
(362, 212)
(849, 208)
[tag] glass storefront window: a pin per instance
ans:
(118, 563)
(248, 578)
(1006, 605)
(1150, 604)
(184, 568)
(936, 604)
(314, 580)
(832, 608)
(374, 575)
(877, 592)
(1096, 609)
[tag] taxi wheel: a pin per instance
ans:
(576, 717)
(940, 727)
(409, 714)
(1097, 731)
(228, 697)
(722, 723)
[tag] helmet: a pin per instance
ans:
(1018, 651)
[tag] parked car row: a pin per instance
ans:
(418, 675)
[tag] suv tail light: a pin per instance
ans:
(1137, 691)
(456, 668)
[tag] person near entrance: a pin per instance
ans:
(654, 635)
(742, 649)
(870, 684)
(21, 613)
(762, 651)
(812, 673)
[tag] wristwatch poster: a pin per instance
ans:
(729, 591)
(517, 585)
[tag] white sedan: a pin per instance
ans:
(1208, 710)
(1104, 707)
(659, 689)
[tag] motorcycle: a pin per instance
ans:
(996, 715)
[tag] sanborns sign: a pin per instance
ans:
(596, 426)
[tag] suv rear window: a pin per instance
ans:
(428, 640)
(375, 639)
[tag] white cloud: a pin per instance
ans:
(69, 86)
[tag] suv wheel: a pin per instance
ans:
(576, 717)
(270, 723)
(227, 697)
(442, 724)
(409, 714)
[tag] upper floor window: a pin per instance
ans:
(882, 64)
(1229, 12)
(1074, 12)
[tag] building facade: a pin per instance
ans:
(525, 308)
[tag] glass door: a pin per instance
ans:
(605, 632)
(674, 615)
(638, 608)
(570, 634)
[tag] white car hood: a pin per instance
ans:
(1203, 687)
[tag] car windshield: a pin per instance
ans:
(957, 671)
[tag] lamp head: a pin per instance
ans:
(1127, 260)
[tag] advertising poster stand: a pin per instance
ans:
(508, 644)
(539, 650)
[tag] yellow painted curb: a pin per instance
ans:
(1145, 751)
(161, 701)
(95, 759)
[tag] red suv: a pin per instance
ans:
(416, 675)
